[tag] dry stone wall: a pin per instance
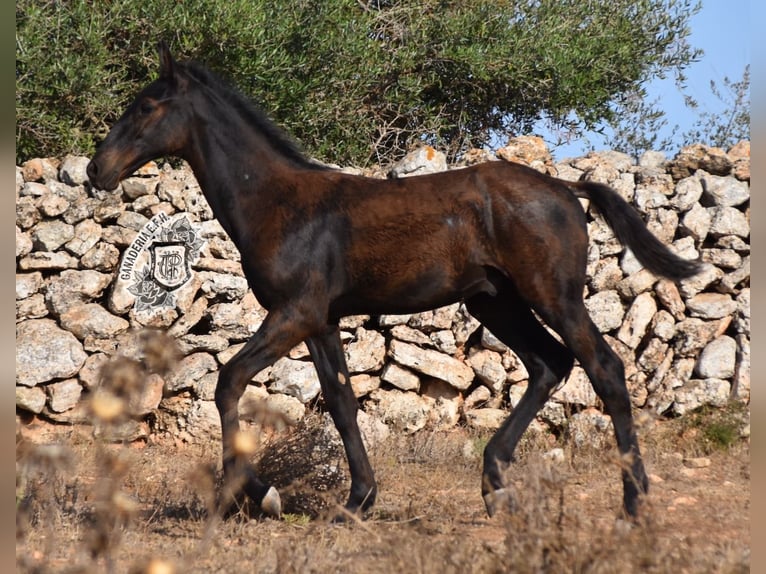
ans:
(683, 345)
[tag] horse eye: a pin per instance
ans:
(146, 108)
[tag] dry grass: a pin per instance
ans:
(85, 505)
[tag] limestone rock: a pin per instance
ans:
(728, 221)
(92, 320)
(718, 359)
(47, 261)
(724, 191)
(73, 170)
(488, 367)
(485, 418)
(72, 288)
(420, 161)
(590, 428)
(189, 370)
(366, 353)
(45, 352)
(605, 309)
(711, 305)
(697, 393)
(30, 399)
(87, 234)
(404, 411)
(363, 384)
(528, 150)
(64, 395)
(577, 390)
(50, 235)
(637, 320)
(295, 378)
(28, 284)
(400, 377)
(432, 363)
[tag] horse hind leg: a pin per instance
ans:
(547, 362)
(607, 375)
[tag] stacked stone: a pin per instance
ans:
(683, 346)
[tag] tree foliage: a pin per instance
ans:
(732, 125)
(723, 122)
(354, 81)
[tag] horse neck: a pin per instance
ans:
(232, 161)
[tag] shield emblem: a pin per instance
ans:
(170, 264)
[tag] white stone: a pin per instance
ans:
(227, 287)
(488, 366)
(71, 288)
(637, 319)
(87, 234)
(693, 334)
(363, 384)
(400, 377)
(717, 359)
(189, 370)
(148, 399)
(711, 305)
(605, 309)
(295, 378)
(577, 390)
(590, 428)
(403, 411)
(30, 399)
(432, 363)
(366, 352)
(697, 283)
(373, 430)
(92, 320)
(73, 170)
(23, 243)
(445, 403)
(697, 222)
(485, 418)
(28, 284)
(741, 380)
(47, 261)
(724, 191)
(697, 393)
(291, 409)
(728, 221)
(50, 235)
(422, 160)
(31, 308)
(63, 395)
(45, 352)
(444, 341)
(687, 193)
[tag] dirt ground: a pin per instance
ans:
(87, 506)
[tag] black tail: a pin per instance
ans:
(632, 232)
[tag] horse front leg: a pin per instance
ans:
(274, 339)
(327, 353)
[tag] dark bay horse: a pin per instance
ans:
(318, 244)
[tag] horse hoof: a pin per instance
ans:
(498, 501)
(271, 504)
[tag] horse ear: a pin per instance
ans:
(167, 65)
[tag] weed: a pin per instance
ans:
(713, 429)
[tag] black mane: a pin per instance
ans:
(276, 136)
